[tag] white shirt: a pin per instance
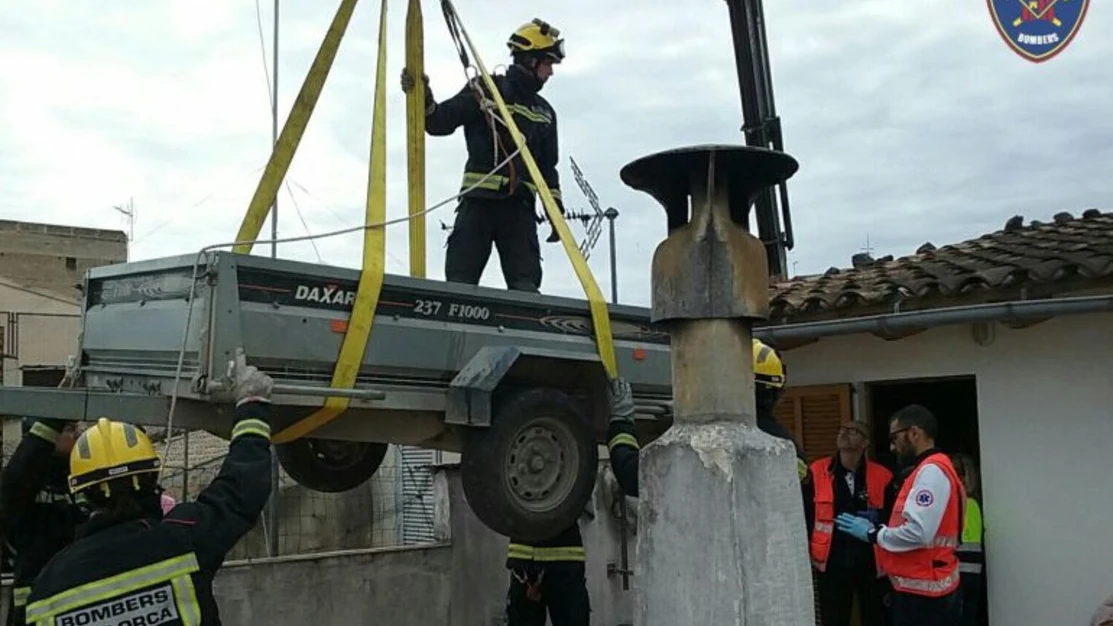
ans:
(923, 512)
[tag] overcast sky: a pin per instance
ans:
(911, 122)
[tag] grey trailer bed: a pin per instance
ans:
(510, 380)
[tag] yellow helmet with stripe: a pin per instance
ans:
(769, 370)
(537, 37)
(108, 451)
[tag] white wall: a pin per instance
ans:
(1045, 406)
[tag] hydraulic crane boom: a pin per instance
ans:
(761, 126)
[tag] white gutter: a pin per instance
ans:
(918, 320)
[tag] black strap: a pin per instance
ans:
(451, 19)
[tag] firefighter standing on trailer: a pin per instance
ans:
(131, 563)
(38, 514)
(916, 549)
(501, 209)
(769, 381)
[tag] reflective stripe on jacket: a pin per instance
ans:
(930, 571)
(540, 554)
(877, 479)
(564, 549)
(159, 593)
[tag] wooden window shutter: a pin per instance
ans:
(813, 415)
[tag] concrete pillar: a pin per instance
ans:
(722, 534)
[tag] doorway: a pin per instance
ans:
(954, 402)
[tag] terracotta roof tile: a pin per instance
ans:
(1064, 254)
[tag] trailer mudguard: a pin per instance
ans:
(469, 395)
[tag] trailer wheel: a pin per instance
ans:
(330, 465)
(530, 475)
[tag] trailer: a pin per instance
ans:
(512, 381)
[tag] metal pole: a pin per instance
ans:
(272, 506)
(274, 128)
(610, 214)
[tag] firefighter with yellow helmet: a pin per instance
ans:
(131, 562)
(500, 210)
(769, 383)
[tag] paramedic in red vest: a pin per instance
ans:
(847, 482)
(916, 549)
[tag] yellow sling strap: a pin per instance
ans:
(415, 137)
(293, 130)
(374, 265)
(599, 315)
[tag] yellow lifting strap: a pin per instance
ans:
(599, 316)
(292, 131)
(415, 137)
(374, 265)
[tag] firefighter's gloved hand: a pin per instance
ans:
(621, 399)
(251, 384)
(857, 527)
(554, 236)
(408, 84)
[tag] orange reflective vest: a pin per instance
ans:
(931, 571)
(877, 479)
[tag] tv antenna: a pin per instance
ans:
(593, 222)
(129, 213)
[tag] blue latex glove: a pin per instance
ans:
(854, 526)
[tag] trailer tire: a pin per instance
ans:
(330, 465)
(536, 501)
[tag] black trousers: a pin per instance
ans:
(914, 610)
(509, 224)
(562, 593)
(973, 588)
(836, 591)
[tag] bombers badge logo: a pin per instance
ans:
(1038, 30)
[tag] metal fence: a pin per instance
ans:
(392, 508)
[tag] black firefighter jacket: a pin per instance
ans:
(488, 146)
(160, 571)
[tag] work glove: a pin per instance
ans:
(621, 400)
(251, 384)
(408, 84)
(855, 526)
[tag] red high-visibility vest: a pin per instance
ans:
(877, 479)
(931, 571)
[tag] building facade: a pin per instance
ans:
(53, 257)
(1007, 339)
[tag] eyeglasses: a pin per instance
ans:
(893, 435)
(850, 430)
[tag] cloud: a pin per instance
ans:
(910, 123)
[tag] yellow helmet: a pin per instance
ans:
(769, 370)
(111, 450)
(537, 36)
